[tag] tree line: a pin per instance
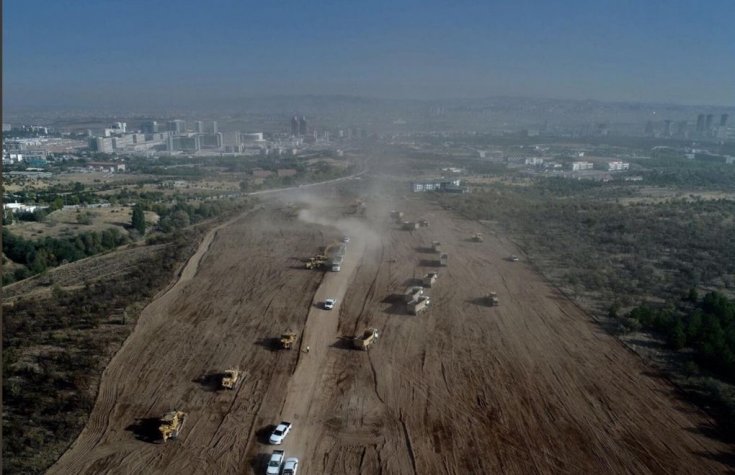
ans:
(38, 255)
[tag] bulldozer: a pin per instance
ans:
(171, 424)
(316, 262)
(477, 237)
(288, 339)
(230, 378)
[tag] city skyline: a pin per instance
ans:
(104, 54)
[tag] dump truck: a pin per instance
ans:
(492, 299)
(230, 378)
(288, 339)
(417, 305)
(477, 237)
(423, 223)
(409, 225)
(429, 279)
(436, 246)
(396, 215)
(171, 424)
(443, 257)
(412, 293)
(367, 338)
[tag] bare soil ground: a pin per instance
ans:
(530, 386)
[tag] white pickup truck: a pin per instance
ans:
(280, 432)
(274, 464)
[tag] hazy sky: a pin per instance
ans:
(63, 52)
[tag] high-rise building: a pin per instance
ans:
(199, 127)
(150, 127)
(649, 128)
(681, 128)
(709, 121)
(212, 129)
(295, 125)
(177, 126)
(700, 123)
(667, 128)
(723, 120)
(302, 125)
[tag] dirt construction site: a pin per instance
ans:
(531, 385)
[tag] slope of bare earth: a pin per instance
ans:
(529, 386)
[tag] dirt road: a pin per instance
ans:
(530, 386)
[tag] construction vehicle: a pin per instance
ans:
(423, 223)
(412, 293)
(288, 339)
(429, 279)
(436, 246)
(409, 225)
(513, 258)
(230, 378)
(357, 208)
(335, 253)
(477, 237)
(417, 305)
(397, 216)
(443, 257)
(171, 424)
(316, 262)
(367, 338)
(492, 299)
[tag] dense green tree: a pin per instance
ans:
(138, 221)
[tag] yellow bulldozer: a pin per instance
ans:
(171, 424)
(316, 262)
(288, 339)
(230, 378)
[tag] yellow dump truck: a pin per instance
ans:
(287, 340)
(171, 424)
(230, 378)
(368, 337)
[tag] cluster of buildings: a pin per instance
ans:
(177, 136)
(707, 126)
(445, 185)
(173, 136)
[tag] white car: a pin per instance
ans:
(329, 304)
(274, 464)
(279, 433)
(291, 466)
